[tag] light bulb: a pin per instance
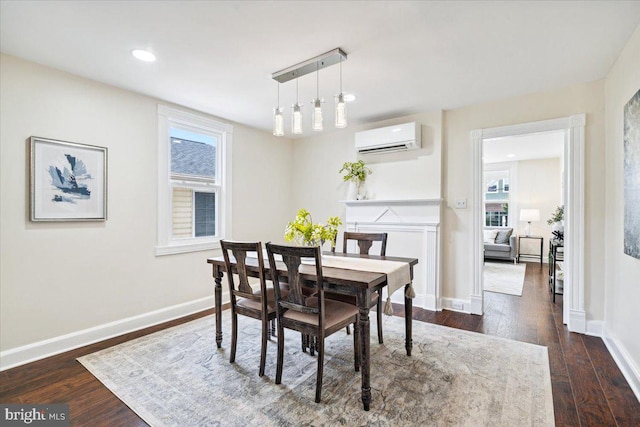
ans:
(296, 122)
(317, 115)
(341, 112)
(278, 122)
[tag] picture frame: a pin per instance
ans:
(68, 181)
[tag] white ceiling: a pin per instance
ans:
(543, 145)
(404, 57)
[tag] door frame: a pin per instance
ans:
(574, 149)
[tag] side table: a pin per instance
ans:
(538, 255)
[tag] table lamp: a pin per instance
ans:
(529, 215)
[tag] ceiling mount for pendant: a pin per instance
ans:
(325, 60)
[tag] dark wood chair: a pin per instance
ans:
(365, 242)
(314, 315)
(244, 300)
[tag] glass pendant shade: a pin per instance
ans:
(341, 111)
(278, 122)
(296, 120)
(316, 119)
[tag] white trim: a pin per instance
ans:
(449, 303)
(574, 313)
(595, 328)
(167, 117)
(577, 318)
(177, 248)
(625, 363)
(52, 346)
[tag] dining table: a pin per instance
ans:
(358, 283)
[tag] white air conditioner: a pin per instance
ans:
(389, 139)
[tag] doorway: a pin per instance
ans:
(573, 165)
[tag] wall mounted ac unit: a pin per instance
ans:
(389, 139)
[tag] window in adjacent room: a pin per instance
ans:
(194, 185)
(497, 198)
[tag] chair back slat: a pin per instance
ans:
(365, 241)
(239, 251)
(292, 258)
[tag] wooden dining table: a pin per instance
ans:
(339, 280)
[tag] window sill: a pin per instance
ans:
(184, 247)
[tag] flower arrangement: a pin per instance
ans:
(304, 232)
(355, 171)
(557, 216)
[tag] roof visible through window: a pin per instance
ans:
(193, 153)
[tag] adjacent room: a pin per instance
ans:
(319, 213)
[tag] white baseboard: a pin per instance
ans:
(459, 305)
(52, 346)
(577, 321)
(624, 362)
(476, 305)
(595, 328)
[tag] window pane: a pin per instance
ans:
(205, 219)
(193, 153)
(182, 212)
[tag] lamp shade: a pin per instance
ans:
(529, 215)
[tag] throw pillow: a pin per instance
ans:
(503, 235)
(490, 236)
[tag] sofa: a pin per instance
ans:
(499, 243)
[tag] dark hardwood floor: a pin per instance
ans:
(588, 387)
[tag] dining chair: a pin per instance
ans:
(258, 304)
(365, 242)
(311, 315)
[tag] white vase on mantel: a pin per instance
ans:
(352, 192)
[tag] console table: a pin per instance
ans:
(556, 256)
(538, 255)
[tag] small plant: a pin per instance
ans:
(355, 171)
(557, 216)
(304, 232)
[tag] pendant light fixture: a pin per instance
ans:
(341, 106)
(278, 119)
(327, 59)
(296, 119)
(316, 118)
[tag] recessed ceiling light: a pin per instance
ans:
(511, 156)
(143, 55)
(349, 97)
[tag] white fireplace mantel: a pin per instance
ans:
(413, 226)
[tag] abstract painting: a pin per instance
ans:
(68, 181)
(632, 176)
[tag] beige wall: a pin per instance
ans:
(457, 179)
(539, 187)
(60, 278)
(622, 314)
(412, 174)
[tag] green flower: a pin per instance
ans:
(303, 231)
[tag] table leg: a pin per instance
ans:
(363, 296)
(408, 320)
(217, 276)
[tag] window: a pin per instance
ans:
(194, 174)
(496, 198)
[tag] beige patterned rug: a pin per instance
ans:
(177, 377)
(504, 278)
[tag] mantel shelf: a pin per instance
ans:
(433, 202)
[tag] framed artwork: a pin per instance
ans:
(632, 176)
(68, 181)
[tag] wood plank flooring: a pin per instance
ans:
(588, 387)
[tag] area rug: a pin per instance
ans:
(177, 377)
(504, 278)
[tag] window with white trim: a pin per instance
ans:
(194, 174)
